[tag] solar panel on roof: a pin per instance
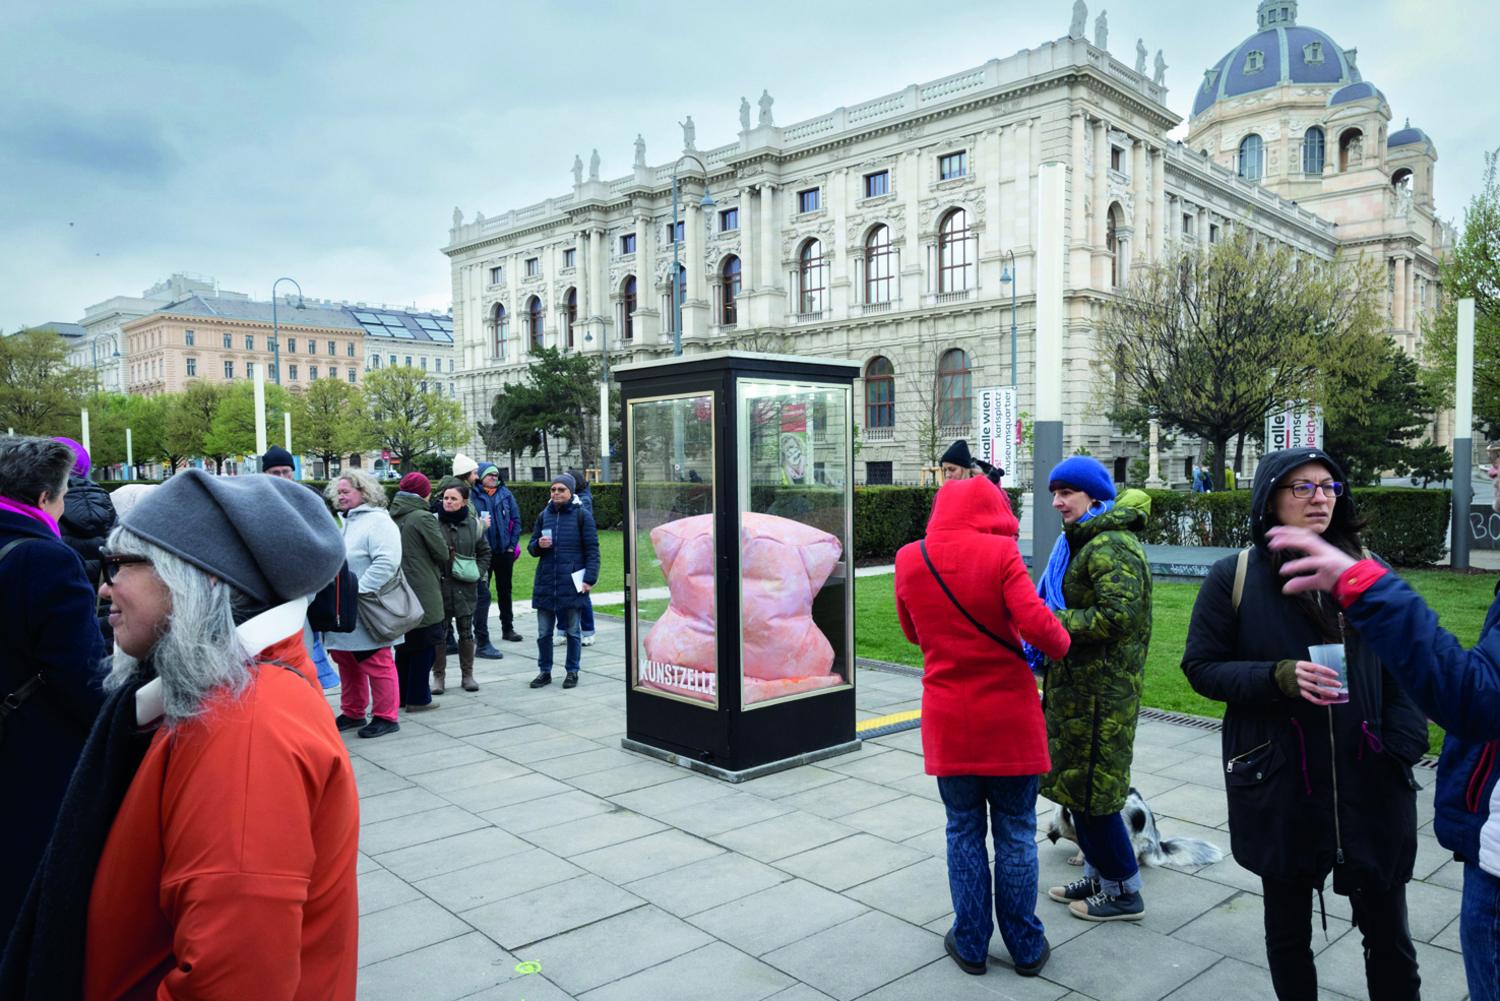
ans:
(423, 321)
(367, 317)
(377, 331)
(402, 332)
(441, 335)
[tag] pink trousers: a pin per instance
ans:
(367, 682)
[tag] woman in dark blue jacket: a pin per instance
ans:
(564, 541)
(47, 619)
(585, 498)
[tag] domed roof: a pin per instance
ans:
(1280, 53)
(1409, 136)
(1355, 92)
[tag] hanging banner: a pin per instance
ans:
(796, 457)
(1296, 426)
(998, 426)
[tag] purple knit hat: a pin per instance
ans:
(81, 467)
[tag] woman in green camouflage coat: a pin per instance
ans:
(1099, 585)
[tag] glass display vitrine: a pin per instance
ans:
(739, 579)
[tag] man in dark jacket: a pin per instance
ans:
(47, 619)
(501, 516)
(564, 541)
(88, 513)
(1460, 690)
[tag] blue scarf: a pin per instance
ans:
(1050, 584)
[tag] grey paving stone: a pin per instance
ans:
(447, 971)
(616, 947)
(433, 761)
(637, 775)
(476, 723)
(888, 949)
(506, 792)
(1430, 856)
(934, 843)
(465, 889)
(403, 802)
(1449, 874)
(533, 815)
(694, 888)
(587, 758)
(1448, 937)
(397, 930)
(533, 987)
(851, 861)
(780, 915)
(551, 910)
(399, 746)
(944, 980)
(715, 971)
(1341, 969)
(514, 737)
(900, 818)
(647, 856)
(589, 833)
(1204, 805)
(1236, 927)
(470, 774)
(1232, 980)
(535, 752)
(1165, 734)
(918, 893)
(433, 858)
(879, 767)
(791, 781)
(905, 740)
(1149, 785)
(1175, 898)
(779, 837)
(838, 798)
(380, 888)
(726, 813)
(363, 864)
(372, 780)
(1231, 873)
(1203, 769)
(800, 992)
(1430, 908)
(677, 794)
(918, 785)
(1093, 963)
(415, 829)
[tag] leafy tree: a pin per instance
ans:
(109, 416)
(188, 424)
(328, 420)
(510, 429)
(407, 421)
(1398, 409)
(1471, 270)
(233, 429)
(1218, 339)
(565, 398)
(148, 418)
(41, 393)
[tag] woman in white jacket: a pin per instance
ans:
(372, 544)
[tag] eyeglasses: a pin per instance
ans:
(1302, 491)
(110, 563)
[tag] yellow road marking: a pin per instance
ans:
(880, 721)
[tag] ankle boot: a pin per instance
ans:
(439, 670)
(466, 665)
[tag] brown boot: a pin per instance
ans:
(466, 664)
(439, 669)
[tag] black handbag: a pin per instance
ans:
(335, 609)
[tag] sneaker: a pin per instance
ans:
(1102, 907)
(1032, 969)
(380, 727)
(558, 639)
(544, 678)
(571, 681)
(973, 969)
(1079, 889)
(348, 722)
(488, 652)
(588, 641)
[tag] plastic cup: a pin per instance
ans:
(547, 534)
(1332, 655)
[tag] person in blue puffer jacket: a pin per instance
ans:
(498, 511)
(1460, 690)
(584, 497)
(564, 541)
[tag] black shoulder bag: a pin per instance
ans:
(13, 701)
(972, 621)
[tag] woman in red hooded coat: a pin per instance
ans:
(983, 734)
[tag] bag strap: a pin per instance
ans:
(1241, 563)
(972, 621)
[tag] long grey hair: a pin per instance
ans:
(200, 654)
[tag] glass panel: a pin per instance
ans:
(794, 518)
(367, 317)
(427, 324)
(672, 553)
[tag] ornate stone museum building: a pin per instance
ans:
(901, 231)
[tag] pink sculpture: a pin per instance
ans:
(783, 565)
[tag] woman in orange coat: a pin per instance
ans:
(207, 844)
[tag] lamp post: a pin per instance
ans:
(107, 336)
(275, 338)
(677, 290)
(1008, 279)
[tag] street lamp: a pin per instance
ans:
(707, 203)
(1007, 279)
(275, 338)
(110, 336)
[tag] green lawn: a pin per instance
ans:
(611, 567)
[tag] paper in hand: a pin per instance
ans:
(578, 580)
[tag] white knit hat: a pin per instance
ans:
(463, 465)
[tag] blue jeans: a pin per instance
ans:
(1012, 817)
(328, 675)
(546, 621)
(1107, 853)
(1479, 933)
(586, 620)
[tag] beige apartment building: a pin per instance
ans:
(222, 340)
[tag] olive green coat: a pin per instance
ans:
(423, 553)
(467, 539)
(1092, 696)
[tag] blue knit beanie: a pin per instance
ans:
(1083, 472)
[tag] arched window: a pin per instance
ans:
(570, 317)
(627, 307)
(814, 277)
(1402, 179)
(1252, 158)
(502, 330)
(731, 292)
(955, 389)
(1112, 243)
(534, 319)
(880, 394)
(1314, 145)
(955, 262)
(878, 277)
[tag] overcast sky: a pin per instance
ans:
(330, 141)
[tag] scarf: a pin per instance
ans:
(454, 517)
(1049, 586)
(31, 511)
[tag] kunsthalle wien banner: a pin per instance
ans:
(1296, 425)
(1000, 431)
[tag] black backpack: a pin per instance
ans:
(336, 607)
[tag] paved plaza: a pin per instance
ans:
(512, 851)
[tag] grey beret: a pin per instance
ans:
(269, 537)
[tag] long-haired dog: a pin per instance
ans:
(1140, 823)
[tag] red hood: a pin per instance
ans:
(973, 505)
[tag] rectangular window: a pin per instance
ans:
(333, 349)
(249, 342)
(312, 373)
(953, 165)
(677, 237)
(451, 392)
(249, 369)
(189, 338)
(229, 370)
(627, 243)
(423, 362)
(350, 346)
(408, 361)
(533, 267)
(807, 201)
(291, 345)
(351, 375)
(878, 474)
(496, 274)
(1213, 233)
(393, 361)
(1187, 223)
(192, 367)
(1116, 158)
(729, 219)
(450, 364)
(291, 372)
(877, 184)
(227, 342)
(570, 258)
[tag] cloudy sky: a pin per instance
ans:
(330, 141)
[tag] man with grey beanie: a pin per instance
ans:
(208, 841)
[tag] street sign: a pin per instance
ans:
(998, 425)
(1295, 426)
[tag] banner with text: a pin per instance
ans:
(999, 431)
(1295, 426)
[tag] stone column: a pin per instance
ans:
(1099, 275)
(695, 306)
(1153, 478)
(1398, 303)
(749, 266)
(604, 307)
(1140, 183)
(645, 279)
(1158, 204)
(1079, 257)
(1411, 296)
(1174, 221)
(770, 238)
